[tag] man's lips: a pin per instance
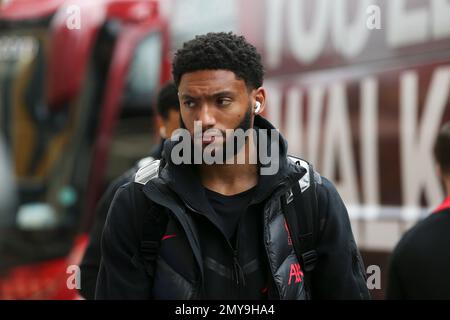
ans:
(208, 139)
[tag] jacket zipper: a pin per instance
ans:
(292, 180)
(237, 272)
(272, 273)
(266, 244)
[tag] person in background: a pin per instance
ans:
(420, 264)
(168, 117)
(168, 109)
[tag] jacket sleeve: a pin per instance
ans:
(122, 274)
(90, 263)
(91, 260)
(339, 273)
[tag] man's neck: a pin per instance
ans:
(233, 178)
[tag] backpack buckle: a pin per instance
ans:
(149, 249)
(309, 260)
(289, 196)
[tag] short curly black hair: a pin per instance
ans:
(167, 100)
(442, 148)
(220, 51)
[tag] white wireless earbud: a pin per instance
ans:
(257, 107)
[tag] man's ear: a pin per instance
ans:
(161, 127)
(259, 96)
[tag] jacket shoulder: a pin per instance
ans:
(305, 181)
(424, 234)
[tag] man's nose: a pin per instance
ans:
(206, 116)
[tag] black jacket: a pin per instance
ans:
(195, 249)
(420, 263)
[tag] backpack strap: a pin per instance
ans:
(153, 227)
(155, 219)
(301, 213)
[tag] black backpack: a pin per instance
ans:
(303, 227)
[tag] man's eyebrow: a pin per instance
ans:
(223, 93)
(187, 96)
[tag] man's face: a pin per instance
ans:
(219, 100)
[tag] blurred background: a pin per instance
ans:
(359, 88)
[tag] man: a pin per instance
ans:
(420, 263)
(224, 235)
(168, 110)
